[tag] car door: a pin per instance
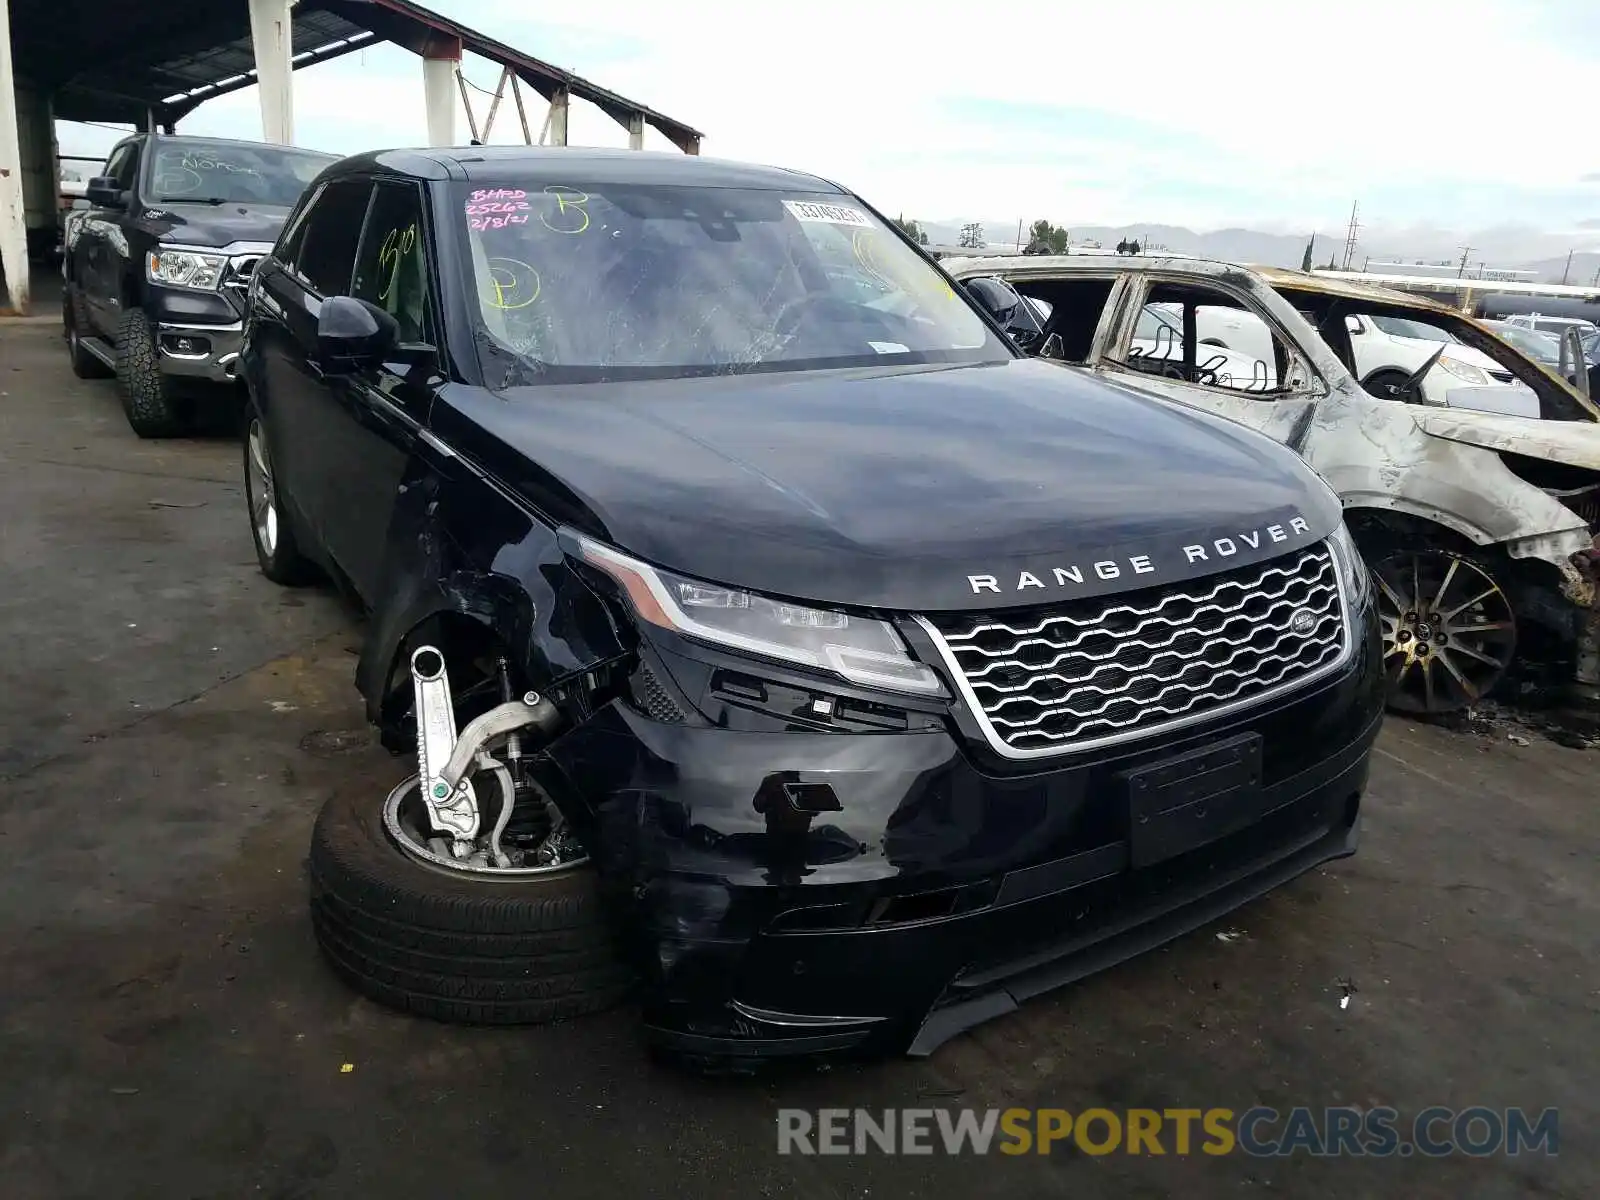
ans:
(314, 259)
(102, 245)
(1276, 398)
(369, 420)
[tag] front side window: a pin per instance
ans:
(123, 164)
(391, 265)
(326, 255)
(204, 171)
(579, 283)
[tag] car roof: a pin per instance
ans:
(499, 165)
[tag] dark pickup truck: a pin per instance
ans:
(156, 269)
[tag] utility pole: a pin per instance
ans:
(1019, 233)
(1350, 237)
(1566, 268)
(1462, 269)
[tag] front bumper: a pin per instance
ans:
(208, 352)
(198, 333)
(931, 888)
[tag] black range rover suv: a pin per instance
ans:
(767, 630)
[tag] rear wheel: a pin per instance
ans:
(84, 364)
(1449, 634)
(276, 549)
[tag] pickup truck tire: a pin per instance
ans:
(84, 364)
(147, 398)
(456, 949)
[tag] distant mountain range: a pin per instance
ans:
(1502, 249)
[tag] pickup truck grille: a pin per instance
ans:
(1081, 674)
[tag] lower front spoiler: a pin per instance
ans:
(991, 968)
(201, 352)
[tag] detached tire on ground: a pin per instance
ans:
(456, 949)
(147, 397)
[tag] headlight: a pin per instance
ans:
(1463, 370)
(185, 268)
(1352, 567)
(861, 649)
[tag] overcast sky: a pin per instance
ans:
(1275, 114)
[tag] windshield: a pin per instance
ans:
(1534, 345)
(628, 281)
(200, 172)
(1153, 319)
(1401, 327)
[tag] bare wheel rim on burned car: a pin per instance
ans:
(1448, 630)
(263, 498)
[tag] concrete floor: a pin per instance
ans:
(170, 723)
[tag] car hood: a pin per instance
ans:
(1575, 443)
(216, 225)
(1460, 351)
(908, 489)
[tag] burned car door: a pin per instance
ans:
(1172, 341)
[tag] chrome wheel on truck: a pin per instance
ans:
(1448, 631)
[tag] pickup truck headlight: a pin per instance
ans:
(185, 268)
(863, 650)
(1464, 371)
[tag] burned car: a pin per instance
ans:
(1471, 483)
(765, 626)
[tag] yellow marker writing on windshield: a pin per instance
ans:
(570, 216)
(509, 277)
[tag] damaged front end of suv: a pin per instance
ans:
(749, 603)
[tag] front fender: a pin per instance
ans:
(457, 545)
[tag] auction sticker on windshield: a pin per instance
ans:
(833, 214)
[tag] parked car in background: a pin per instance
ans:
(155, 270)
(725, 562)
(1389, 350)
(1479, 525)
(1543, 348)
(1554, 327)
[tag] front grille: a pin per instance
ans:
(1049, 681)
(236, 277)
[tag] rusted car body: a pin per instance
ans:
(1511, 502)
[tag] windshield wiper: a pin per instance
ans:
(212, 200)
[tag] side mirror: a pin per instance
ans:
(1352, 324)
(353, 334)
(104, 191)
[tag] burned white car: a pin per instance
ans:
(1474, 493)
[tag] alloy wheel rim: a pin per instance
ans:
(1448, 630)
(262, 496)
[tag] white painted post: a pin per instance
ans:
(441, 59)
(13, 222)
(557, 121)
(636, 132)
(271, 35)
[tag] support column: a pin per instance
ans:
(557, 121)
(441, 59)
(13, 224)
(636, 132)
(271, 36)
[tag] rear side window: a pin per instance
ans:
(326, 254)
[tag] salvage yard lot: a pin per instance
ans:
(170, 722)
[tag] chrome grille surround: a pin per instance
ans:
(1098, 671)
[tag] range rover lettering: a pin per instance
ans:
(768, 633)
